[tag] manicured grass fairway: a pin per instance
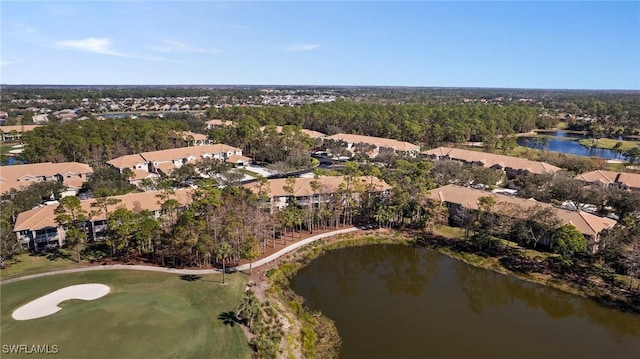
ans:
(26, 264)
(146, 315)
(609, 143)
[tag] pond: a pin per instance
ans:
(394, 301)
(13, 161)
(568, 146)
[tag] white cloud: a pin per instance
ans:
(91, 44)
(177, 46)
(103, 46)
(306, 47)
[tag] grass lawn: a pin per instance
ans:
(25, 264)
(248, 172)
(146, 315)
(608, 143)
(5, 147)
(519, 151)
(449, 232)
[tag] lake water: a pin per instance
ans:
(566, 146)
(13, 161)
(394, 301)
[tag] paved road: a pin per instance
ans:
(255, 264)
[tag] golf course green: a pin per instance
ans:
(146, 315)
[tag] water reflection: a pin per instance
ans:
(396, 301)
(571, 147)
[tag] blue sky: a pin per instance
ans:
(561, 44)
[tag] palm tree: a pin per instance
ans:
(223, 252)
(251, 250)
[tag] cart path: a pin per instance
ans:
(242, 267)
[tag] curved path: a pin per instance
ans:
(255, 264)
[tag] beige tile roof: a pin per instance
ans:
(14, 176)
(238, 158)
(631, 180)
(18, 128)
(73, 182)
(586, 223)
(43, 217)
(310, 133)
(166, 167)
(217, 122)
(376, 141)
(195, 136)
(302, 186)
(598, 176)
(142, 174)
(185, 152)
(313, 134)
(491, 159)
(128, 161)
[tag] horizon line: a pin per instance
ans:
(328, 86)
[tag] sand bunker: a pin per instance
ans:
(48, 304)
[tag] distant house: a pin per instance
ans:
(195, 139)
(65, 115)
(512, 166)
(455, 197)
(14, 133)
(239, 160)
(329, 187)
(400, 147)
(622, 180)
(164, 161)
(71, 174)
(218, 123)
(40, 118)
(38, 230)
(310, 133)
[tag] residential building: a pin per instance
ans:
(239, 160)
(38, 230)
(455, 197)
(71, 174)
(195, 139)
(311, 133)
(66, 114)
(512, 166)
(164, 161)
(622, 180)
(400, 147)
(328, 187)
(14, 133)
(218, 123)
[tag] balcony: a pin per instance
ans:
(47, 237)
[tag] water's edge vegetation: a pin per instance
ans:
(315, 335)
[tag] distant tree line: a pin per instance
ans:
(421, 124)
(95, 142)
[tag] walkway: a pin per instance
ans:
(255, 264)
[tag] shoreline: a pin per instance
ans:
(270, 281)
(276, 287)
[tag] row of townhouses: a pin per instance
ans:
(37, 229)
(155, 163)
(457, 197)
(71, 174)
